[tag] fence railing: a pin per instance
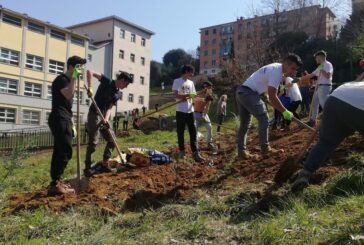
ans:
(32, 138)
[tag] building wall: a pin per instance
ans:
(250, 36)
(25, 42)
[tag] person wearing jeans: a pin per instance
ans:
(265, 79)
(184, 90)
(342, 116)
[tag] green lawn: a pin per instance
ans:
(332, 213)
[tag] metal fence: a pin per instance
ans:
(39, 138)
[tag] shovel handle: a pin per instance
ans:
(303, 124)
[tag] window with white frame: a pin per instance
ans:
(8, 86)
(58, 34)
(132, 57)
(122, 33)
(142, 42)
(89, 57)
(121, 54)
(8, 56)
(142, 61)
(7, 115)
(141, 100)
(34, 62)
(77, 41)
(131, 98)
(141, 80)
(11, 20)
(32, 89)
(31, 117)
(56, 67)
(36, 28)
(133, 38)
(49, 93)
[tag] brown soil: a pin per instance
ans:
(134, 189)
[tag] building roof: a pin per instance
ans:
(46, 23)
(113, 17)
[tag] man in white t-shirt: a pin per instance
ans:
(266, 79)
(342, 116)
(184, 90)
(294, 94)
(324, 72)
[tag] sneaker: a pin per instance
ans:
(269, 150)
(311, 123)
(245, 155)
(212, 148)
(180, 154)
(197, 157)
(58, 188)
(301, 181)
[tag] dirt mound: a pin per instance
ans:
(135, 189)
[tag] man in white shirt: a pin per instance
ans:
(266, 79)
(342, 116)
(184, 90)
(324, 72)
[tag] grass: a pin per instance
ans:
(331, 213)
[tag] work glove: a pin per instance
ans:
(287, 115)
(192, 95)
(77, 70)
(320, 67)
(90, 92)
(74, 131)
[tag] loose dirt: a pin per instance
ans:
(135, 189)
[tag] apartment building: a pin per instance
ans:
(130, 52)
(32, 54)
(246, 38)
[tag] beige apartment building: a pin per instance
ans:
(248, 37)
(130, 52)
(32, 54)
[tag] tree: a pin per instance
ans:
(176, 57)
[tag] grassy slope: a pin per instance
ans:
(327, 214)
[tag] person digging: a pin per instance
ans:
(60, 123)
(202, 104)
(348, 102)
(107, 95)
(266, 79)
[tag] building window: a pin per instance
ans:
(205, 64)
(206, 42)
(121, 54)
(8, 56)
(131, 98)
(143, 42)
(206, 32)
(213, 62)
(77, 41)
(142, 61)
(214, 31)
(89, 57)
(214, 41)
(7, 115)
(213, 71)
(31, 117)
(33, 89)
(131, 76)
(142, 80)
(34, 62)
(132, 57)
(58, 35)
(37, 28)
(132, 38)
(11, 20)
(206, 52)
(141, 100)
(49, 93)
(75, 97)
(8, 86)
(122, 33)
(213, 51)
(56, 67)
